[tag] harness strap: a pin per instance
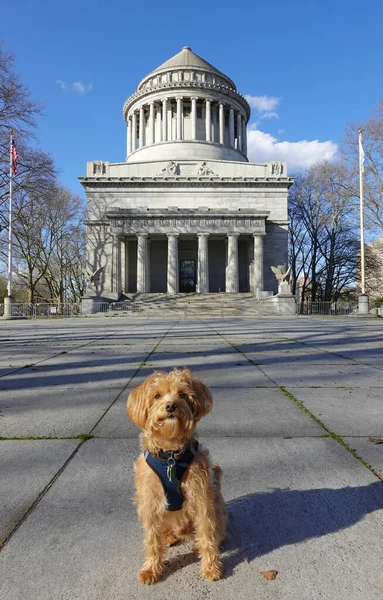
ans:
(172, 486)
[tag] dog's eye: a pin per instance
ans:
(157, 396)
(183, 396)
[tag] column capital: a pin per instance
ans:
(194, 97)
(164, 99)
(260, 235)
(179, 97)
(203, 234)
(142, 235)
(233, 235)
(151, 102)
(172, 235)
(209, 99)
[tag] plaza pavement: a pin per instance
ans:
(293, 397)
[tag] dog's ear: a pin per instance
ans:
(136, 406)
(203, 398)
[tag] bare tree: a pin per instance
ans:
(65, 265)
(373, 175)
(323, 239)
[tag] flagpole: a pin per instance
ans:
(10, 214)
(361, 171)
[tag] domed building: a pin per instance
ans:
(186, 211)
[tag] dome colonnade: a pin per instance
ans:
(187, 100)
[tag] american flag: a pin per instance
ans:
(14, 157)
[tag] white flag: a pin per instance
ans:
(361, 152)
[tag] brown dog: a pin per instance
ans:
(178, 491)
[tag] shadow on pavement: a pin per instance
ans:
(260, 523)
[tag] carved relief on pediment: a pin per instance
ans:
(171, 169)
(204, 171)
(276, 169)
(99, 168)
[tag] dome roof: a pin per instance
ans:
(188, 59)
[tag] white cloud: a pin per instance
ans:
(77, 86)
(269, 115)
(263, 103)
(262, 147)
(82, 88)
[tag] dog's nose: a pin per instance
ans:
(171, 407)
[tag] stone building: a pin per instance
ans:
(186, 211)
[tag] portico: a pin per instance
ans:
(175, 237)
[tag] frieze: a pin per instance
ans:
(221, 224)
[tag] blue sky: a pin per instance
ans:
(308, 66)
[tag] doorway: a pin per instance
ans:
(188, 276)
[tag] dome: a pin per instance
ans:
(187, 59)
(186, 108)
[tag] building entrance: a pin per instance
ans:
(188, 276)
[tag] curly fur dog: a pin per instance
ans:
(178, 492)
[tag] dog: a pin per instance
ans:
(177, 490)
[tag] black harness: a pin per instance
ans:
(170, 467)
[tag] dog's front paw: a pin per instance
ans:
(212, 572)
(148, 576)
(171, 539)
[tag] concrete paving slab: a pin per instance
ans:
(370, 451)
(350, 411)
(291, 507)
(67, 371)
(216, 370)
(236, 413)
(58, 411)
(26, 468)
(329, 375)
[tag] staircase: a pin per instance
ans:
(189, 305)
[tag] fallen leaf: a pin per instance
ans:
(376, 440)
(287, 437)
(269, 575)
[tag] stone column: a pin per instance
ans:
(231, 128)
(179, 117)
(244, 136)
(232, 276)
(151, 123)
(147, 282)
(116, 266)
(208, 120)
(165, 120)
(203, 264)
(194, 118)
(141, 128)
(258, 264)
(129, 137)
(250, 260)
(142, 263)
(134, 131)
(239, 131)
(172, 283)
(221, 123)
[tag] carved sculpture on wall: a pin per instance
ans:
(99, 168)
(96, 279)
(276, 169)
(204, 171)
(283, 277)
(170, 169)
